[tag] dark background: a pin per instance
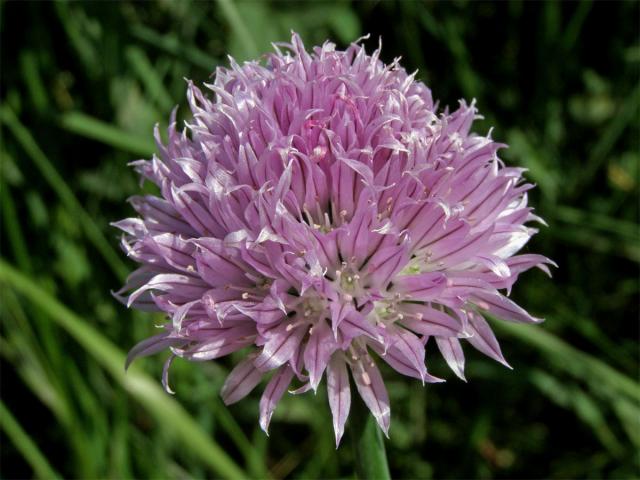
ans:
(82, 84)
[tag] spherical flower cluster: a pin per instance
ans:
(320, 211)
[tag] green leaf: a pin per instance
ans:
(86, 126)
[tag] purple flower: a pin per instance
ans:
(320, 211)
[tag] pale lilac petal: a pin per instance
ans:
(372, 390)
(165, 374)
(452, 353)
(272, 393)
(239, 383)
(429, 321)
(281, 345)
(503, 308)
(484, 340)
(355, 325)
(409, 348)
(339, 394)
(339, 310)
(152, 345)
(424, 287)
(386, 263)
(405, 354)
(319, 348)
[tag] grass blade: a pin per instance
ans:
(149, 77)
(230, 11)
(86, 126)
(63, 191)
(25, 445)
(171, 44)
(572, 360)
(167, 411)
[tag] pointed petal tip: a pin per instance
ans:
(506, 364)
(225, 398)
(264, 425)
(129, 361)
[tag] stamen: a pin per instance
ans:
(306, 212)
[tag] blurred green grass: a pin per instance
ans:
(82, 85)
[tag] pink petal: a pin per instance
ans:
(152, 345)
(372, 390)
(452, 352)
(239, 383)
(339, 394)
(320, 346)
(282, 344)
(424, 287)
(483, 339)
(502, 307)
(272, 394)
(429, 321)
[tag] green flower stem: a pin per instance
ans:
(368, 444)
